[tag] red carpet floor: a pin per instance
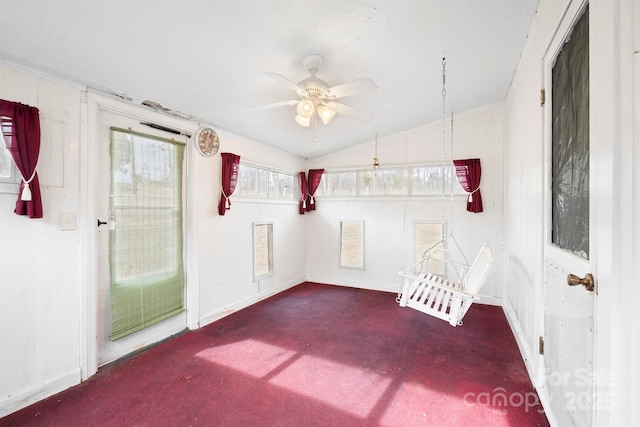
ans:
(315, 355)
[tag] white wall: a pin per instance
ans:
(48, 277)
(39, 263)
(389, 221)
(224, 244)
(524, 174)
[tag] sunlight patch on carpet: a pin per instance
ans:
(344, 387)
(418, 404)
(251, 357)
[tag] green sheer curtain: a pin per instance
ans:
(146, 241)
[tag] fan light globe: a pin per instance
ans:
(305, 108)
(303, 121)
(326, 113)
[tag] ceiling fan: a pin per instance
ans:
(318, 98)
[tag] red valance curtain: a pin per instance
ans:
(469, 172)
(20, 126)
(230, 167)
(303, 193)
(314, 180)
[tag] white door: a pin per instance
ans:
(569, 331)
(109, 350)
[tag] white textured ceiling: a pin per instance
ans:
(205, 59)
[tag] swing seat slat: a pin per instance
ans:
(442, 298)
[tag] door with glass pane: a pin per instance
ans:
(140, 236)
(569, 255)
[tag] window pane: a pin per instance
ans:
(428, 235)
(427, 180)
(452, 179)
(252, 182)
(384, 182)
(433, 180)
(282, 186)
(570, 143)
(337, 184)
(5, 162)
(262, 250)
(9, 175)
(352, 244)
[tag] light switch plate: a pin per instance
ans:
(67, 221)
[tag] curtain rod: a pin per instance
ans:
(166, 129)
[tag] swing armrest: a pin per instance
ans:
(439, 285)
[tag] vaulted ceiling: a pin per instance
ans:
(206, 59)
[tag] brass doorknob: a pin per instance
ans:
(587, 282)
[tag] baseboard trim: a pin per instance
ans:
(225, 311)
(384, 287)
(32, 395)
(531, 370)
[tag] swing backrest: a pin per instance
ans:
(479, 270)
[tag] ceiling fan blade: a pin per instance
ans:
(288, 83)
(362, 85)
(275, 104)
(352, 113)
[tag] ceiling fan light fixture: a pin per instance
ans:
(303, 121)
(326, 113)
(316, 96)
(305, 108)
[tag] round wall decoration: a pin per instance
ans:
(207, 141)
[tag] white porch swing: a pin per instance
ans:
(432, 293)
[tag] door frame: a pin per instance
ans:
(90, 140)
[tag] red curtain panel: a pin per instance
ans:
(303, 193)
(20, 126)
(230, 167)
(469, 172)
(315, 175)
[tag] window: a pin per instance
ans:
(9, 175)
(264, 183)
(431, 180)
(451, 183)
(262, 250)
(352, 244)
(338, 184)
(428, 236)
(384, 182)
(434, 180)
(252, 182)
(570, 143)
(427, 180)
(282, 186)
